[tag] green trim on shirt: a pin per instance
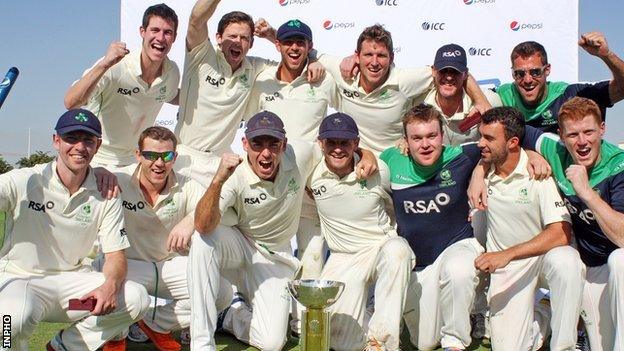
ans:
(511, 97)
(403, 170)
(611, 163)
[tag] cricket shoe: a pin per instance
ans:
(236, 302)
(162, 341)
(135, 334)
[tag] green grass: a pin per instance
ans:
(46, 331)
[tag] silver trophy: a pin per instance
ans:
(315, 295)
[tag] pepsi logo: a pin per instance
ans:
(474, 2)
(283, 2)
(516, 26)
(468, 2)
(328, 24)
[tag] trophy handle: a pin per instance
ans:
(291, 290)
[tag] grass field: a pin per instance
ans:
(46, 331)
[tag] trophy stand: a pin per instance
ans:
(315, 295)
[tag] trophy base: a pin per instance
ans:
(314, 330)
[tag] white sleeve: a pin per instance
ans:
(552, 206)
(112, 232)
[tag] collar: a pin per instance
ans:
(458, 116)
(89, 184)
(349, 178)
(519, 171)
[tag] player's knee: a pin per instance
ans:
(458, 271)
(398, 248)
(23, 314)
(136, 300)
(565, 262)
(615, 262)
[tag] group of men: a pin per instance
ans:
(210, 231)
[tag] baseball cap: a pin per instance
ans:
(78, 119)
(338, 126)
(265, 123)
(294, 28)
(451, 55)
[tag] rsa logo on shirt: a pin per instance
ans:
(350, 94)
(39, 207)
(133, 207)
(426, 206)
(215, 81)
(129, 91)
(255, 200)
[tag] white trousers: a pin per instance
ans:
(440, 298)
(45, 299)
(197, 165)
(261, 279)
(388, 267)
(166, 280)
(603, 304)
(514, 325)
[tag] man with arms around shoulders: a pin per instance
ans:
(431, 208)
(215, 90)
(539, 100)
(54, 213)
(364, 245)
(380, 93)
(450, 75)
(126, 90)
(528, 233)
(245, 222)
(159, 207)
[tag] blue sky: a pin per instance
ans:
(53, 42)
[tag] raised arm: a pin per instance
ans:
(78, 94)
(207, 212)
(595, 43)
(197, 31)
(610, 221)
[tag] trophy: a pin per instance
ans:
(315, 295)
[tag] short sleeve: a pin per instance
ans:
(112, 232)
(552, 206)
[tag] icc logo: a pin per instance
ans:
(480, 51)
(387, 2)
(433, 25)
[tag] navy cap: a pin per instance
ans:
(265, 123)
(451, 55)
(338, 126)
(294, 28)
(78, 119)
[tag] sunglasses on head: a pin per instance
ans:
(534, 72)
(166, 156)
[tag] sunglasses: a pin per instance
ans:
(534, 72)
(166, 156)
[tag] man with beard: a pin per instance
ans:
(126, 90)
(539, 100)
(528, 236)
